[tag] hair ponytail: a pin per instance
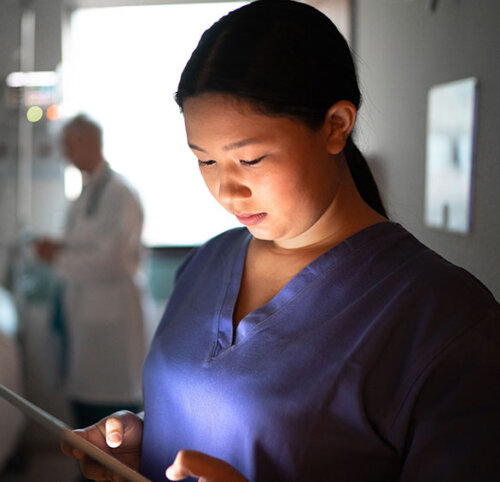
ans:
(363, 177)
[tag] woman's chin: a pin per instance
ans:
(260, 232)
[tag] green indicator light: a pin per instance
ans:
(34, 113)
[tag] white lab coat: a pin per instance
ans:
(103, 294)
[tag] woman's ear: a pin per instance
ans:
(339, 123)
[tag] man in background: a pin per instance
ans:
(98, 261)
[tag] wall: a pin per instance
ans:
(339, 11)
(9, 61)
(48, 203)
(403, 49)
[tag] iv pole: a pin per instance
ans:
(24, 173)
(25, 129)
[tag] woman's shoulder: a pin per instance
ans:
(430, 322)
(440, 278)
(414, 294)
(392, 252)
(434, 301)
(225, 243)
(218, 250)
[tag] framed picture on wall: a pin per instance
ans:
(451, 131)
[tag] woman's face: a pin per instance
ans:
(273, 173)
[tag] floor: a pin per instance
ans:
(39, 459)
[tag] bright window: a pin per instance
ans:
(122, 68)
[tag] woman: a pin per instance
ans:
(322, 342)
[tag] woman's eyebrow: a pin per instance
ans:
(236, 145)
(196, 148)
(228, 147)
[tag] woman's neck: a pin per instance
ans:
(346, 215)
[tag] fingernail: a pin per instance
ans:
(170, 473)
(114, 439)
(77, 453)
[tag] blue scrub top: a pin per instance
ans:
(379, 361)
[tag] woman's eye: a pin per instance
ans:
(253, 162)
(205, 163)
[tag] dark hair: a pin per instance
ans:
(285, 58)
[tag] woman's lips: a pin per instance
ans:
(250, 219)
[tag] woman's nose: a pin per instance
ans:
(232, 187)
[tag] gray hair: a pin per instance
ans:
(80, 124)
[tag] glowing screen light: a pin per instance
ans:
(34, 113)
(127, 83)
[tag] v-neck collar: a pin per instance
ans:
(234, 277)
(248, 324)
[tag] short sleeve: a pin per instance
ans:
(454, 430)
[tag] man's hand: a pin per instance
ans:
(47, 249)
(189, 463)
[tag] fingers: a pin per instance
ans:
(89, 467)
(71, 451)
(114, 432)
(119, 434)
(208, 469)
(94, 471)
(182, 466)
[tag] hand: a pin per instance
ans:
(120, 435)
(189, 463)
(47, 249)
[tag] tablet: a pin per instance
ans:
(65, 433)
